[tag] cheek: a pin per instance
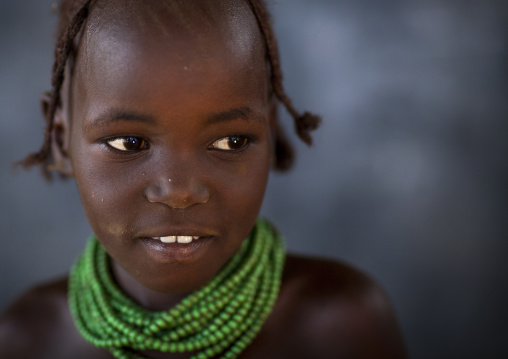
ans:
(108, 193)
(246, 188)
(243, 191)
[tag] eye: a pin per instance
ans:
(128, 144)
(230, 143)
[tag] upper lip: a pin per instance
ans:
(179, 231)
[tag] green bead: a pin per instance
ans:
(156, 344)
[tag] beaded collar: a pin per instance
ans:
(221, 318)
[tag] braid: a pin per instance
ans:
(303, 123)
(63, 49)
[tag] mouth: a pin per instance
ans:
(177, 248)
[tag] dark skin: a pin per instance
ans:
(167, 128)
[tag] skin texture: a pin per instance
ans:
(182, 79)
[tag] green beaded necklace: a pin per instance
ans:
(223, 317)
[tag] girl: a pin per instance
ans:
(164, 112)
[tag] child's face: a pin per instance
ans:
(153, 109)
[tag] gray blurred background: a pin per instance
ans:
(407, 179)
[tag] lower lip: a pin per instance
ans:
(177, 252)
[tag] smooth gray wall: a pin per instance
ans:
(407, 179)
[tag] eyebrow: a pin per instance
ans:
(115, 114)
(244, 113)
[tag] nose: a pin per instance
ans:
(177, 193)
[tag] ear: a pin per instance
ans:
(60, 136)
(282, 151)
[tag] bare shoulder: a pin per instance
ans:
(38, 319)
(335, 308)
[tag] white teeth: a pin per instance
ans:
(179, 239)
(184, 239)
(168, 239)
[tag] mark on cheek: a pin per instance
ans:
(116, 229)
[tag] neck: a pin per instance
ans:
(148, 298)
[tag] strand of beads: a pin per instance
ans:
(222, 318)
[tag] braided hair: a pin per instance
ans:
(72, 16)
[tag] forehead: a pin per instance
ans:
(195, 22)
(197, 38)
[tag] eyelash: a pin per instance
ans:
(247, 140)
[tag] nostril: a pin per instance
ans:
(153, 192)
(176, 195)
